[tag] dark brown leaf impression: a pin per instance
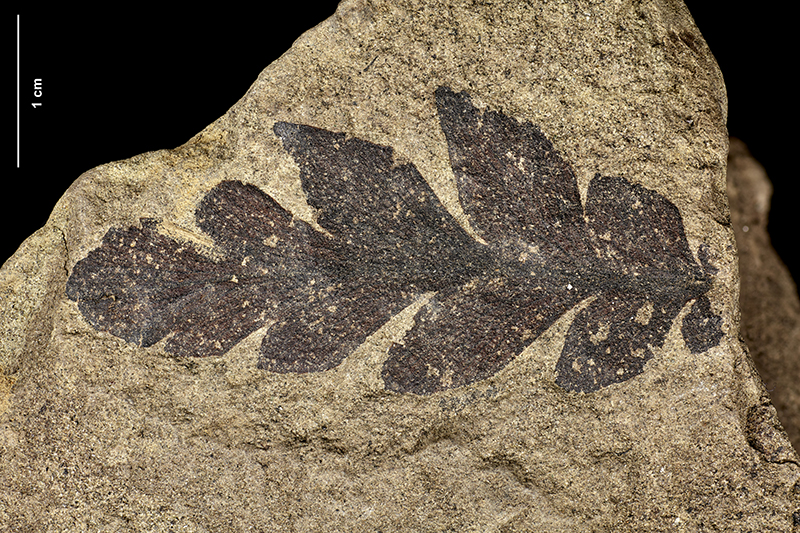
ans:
(389, 240)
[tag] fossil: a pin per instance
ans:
(389, 240)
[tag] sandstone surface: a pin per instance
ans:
(629, 404)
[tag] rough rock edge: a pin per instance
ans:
(770, 309)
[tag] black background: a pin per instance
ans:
(117, 86)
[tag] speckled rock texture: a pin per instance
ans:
(447, 266)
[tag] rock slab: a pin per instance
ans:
(186, 345)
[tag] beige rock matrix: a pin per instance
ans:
(447, 266)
